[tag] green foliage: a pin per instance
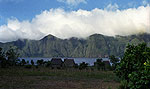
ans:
(123, 85)
(12, 56)
(40, 62)
(3, 61)
(83, 65)
(48, 63)
(23, 62)
(28, 66)
(147, 65)
(113, 60)
(132, 68)
(32, 62)
(99, 64)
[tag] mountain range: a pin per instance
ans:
(96, 45)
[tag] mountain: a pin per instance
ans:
(96, 45)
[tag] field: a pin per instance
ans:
(47, 78)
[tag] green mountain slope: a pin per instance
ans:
(96, 45)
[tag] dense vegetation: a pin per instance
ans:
(9, 58)
(134, 68)
(94, 46)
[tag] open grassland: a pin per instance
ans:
(46, 78)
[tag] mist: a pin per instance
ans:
(81, 23)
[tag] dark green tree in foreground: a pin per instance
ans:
(132, 70)
(12, 56)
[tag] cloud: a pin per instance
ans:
(72, 2)
(111, 7)
(80, 23)
(145, 2)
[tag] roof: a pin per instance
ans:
(56, 61)
(69, 62)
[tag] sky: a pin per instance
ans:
(34, 19)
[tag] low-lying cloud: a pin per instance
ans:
(81, 24)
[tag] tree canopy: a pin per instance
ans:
(132, 69)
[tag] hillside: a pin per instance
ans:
(96, 45)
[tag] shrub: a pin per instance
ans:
(32, 62)
(40, 62)
(132, 68)
(23, 62)
(28, 66)
(83, 65)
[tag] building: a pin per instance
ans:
(69, 63)
(56, 63)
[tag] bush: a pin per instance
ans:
(132, 69)
(40, 62)
(83, 65)
(32, 62)
(99, 64)
(28, 66)
(48, 63)
(123, 85)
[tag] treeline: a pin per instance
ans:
(9, 58)
(98, 65)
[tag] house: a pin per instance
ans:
(69, 63)
(56, 63)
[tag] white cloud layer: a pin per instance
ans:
(72, 2)
(79, 24)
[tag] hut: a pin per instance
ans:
(56, 63)
(69, 63)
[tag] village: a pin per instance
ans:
(59, 63)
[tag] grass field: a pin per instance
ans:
(46, 78)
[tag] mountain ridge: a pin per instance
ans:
(96, 45)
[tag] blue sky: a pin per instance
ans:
(34, 19)
(27, 9)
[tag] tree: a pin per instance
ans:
(3, 61)
(40, 62)
(23, 62)
(99, 64)
(132, 69)
(114, 61)
(12, 56)
(32, 62)
(83, 65)
(48, 63)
